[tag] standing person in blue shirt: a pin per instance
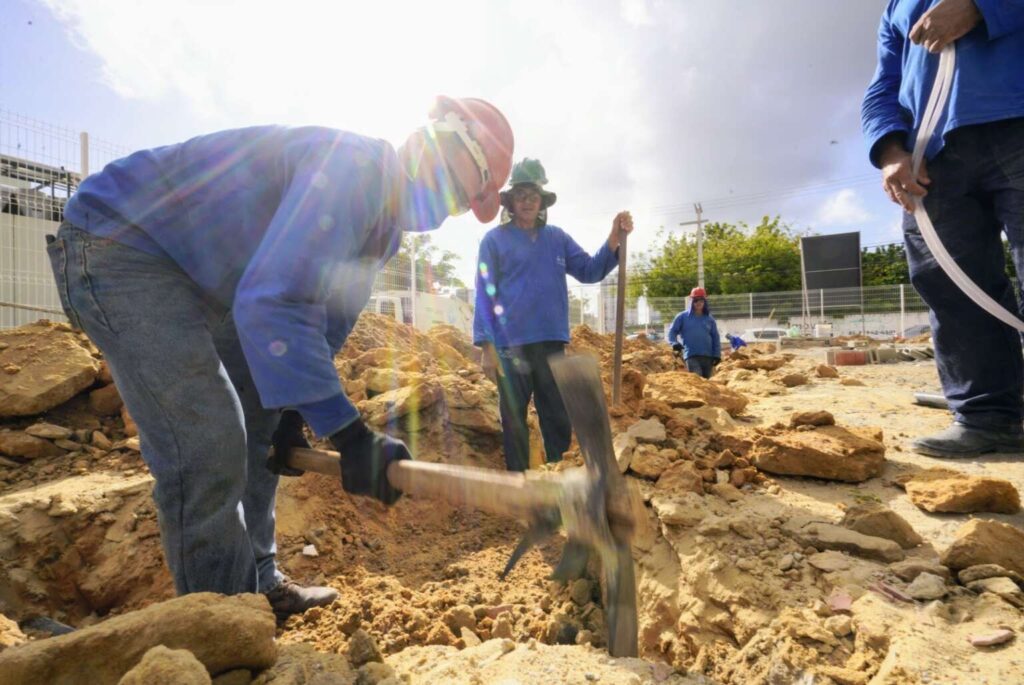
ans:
(695, 333)
(973, 192)
(220, 276)
(522, 309)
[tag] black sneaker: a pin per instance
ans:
(290, 598)
(960, 442)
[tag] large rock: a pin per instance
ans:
(826, 536)
(393, 405)
(944, 490)
(624, 445)
(829, 452)
(49, 431)
(472, 406)
(106, 401)
(223, 633)
(1004, 588)
(812, 418)
(649, 462)
(25, 446)
(681, 476)
(986, 542)
(648, 430)
(162, 666)
(689, 391)
(927, 587)
(10, 634)
(45, 365)
(983, 571)
(882, 522)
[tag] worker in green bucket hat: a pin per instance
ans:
(522, 308)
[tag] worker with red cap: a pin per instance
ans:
(694, 335)
(220, 276)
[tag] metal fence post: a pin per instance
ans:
(83, 151)
(821, 304)
(903, 311)
(412, 288)
(751, 309)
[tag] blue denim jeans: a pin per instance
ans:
(976, 195)
(701, 365)
(528, 374)
(178, 365)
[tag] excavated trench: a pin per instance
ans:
(728, 587)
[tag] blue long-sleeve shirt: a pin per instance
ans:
(521, 293)
(697, 332)
(286, 226)
(988, 82)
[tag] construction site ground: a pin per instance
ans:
(745, 575)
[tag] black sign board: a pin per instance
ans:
(831, 261)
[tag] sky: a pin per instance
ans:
(750, 108)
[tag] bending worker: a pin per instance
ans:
(220, 276)
(694, 333)
(522, 309)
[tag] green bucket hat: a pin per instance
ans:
(528, 172)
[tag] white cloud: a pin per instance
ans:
(640, 104)
(636, 12)
(843, 209)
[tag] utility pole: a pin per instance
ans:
(700, 241)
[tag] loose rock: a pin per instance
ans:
(163, 666)
(881, 521)
(829, 452)
(927, 587)
(942, 490)
(986, 542)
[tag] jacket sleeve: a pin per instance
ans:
(716, 341)
(582, 266)
(881, 113)
(677, 328)
(310, 250)
(1002, 17)
(485, 321)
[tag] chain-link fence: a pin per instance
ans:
(42, 164)
(40, 167)
(879, 311)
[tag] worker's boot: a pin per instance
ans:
(291, 598)
(960, 441)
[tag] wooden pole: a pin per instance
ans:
(620, 320)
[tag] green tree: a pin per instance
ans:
(435, 268)
(885, 265)
(737, 259)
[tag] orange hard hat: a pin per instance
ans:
(698, 293)
(485, 132)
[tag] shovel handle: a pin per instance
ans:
(497, 492)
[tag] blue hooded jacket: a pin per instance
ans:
(697, 332)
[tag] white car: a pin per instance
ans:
(763, 334)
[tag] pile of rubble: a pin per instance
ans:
(739, 580)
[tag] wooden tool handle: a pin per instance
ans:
(498, 492)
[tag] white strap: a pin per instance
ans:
(933, 112)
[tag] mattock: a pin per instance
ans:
(594, 504)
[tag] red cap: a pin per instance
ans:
(698, 292)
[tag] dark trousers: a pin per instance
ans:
(701, 365)
(528, 374)
(976, 194)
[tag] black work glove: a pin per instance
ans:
(365, 457)
(716, 361)
(288, 435)
(677, 347)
